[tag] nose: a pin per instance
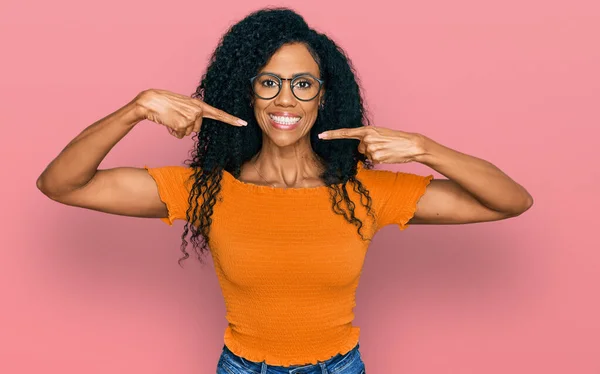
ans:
(285, 98)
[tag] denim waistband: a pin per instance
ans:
(349, 362)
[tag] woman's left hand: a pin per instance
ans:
(475, 191)
(381, 145)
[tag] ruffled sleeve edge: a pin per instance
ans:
(417, 194)
(162, 193)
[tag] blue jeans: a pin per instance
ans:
(350, 363)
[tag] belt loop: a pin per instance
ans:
(323, 368)
(263, 369)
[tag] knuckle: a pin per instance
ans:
(190, 118)
(150, 91)
(196, 100)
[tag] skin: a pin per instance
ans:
(475, 191)
(286, 158)
(73, 177)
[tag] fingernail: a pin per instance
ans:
(242, 122)
(321, 136)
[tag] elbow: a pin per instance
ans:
(529, 202)
(39, 183)
(522, 207)
(42, 186)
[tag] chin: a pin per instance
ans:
(283, 140)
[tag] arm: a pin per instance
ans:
(72, 178)
(475, 191)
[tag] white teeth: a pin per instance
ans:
(284, 120)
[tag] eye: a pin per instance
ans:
(269, 83)
(303, 84)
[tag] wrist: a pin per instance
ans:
(136, 110)
(429, 150)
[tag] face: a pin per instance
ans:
(284, 119)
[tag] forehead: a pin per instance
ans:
(291, 59)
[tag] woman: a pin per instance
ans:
(281, 189)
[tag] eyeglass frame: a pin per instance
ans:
(321, 82)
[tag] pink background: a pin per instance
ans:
(514, 82)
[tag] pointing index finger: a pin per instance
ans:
(214, 113)
(351, 133)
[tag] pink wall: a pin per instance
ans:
(514, 82)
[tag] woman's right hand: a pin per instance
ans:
(73, 177)
(180, 114)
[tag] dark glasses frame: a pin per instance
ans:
(280, 80)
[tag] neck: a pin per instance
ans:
(290, 165)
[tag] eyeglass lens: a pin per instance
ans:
(304, 87)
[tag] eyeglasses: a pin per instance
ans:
(305, 87)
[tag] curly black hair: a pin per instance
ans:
(243, 50)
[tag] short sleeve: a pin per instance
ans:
(395, 195)
(174, 187)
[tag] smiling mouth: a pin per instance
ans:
(284, 120)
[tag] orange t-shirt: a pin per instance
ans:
(288, 266)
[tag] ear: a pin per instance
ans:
(322, 99)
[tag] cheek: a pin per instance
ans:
(311, 111)
(259, 111)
